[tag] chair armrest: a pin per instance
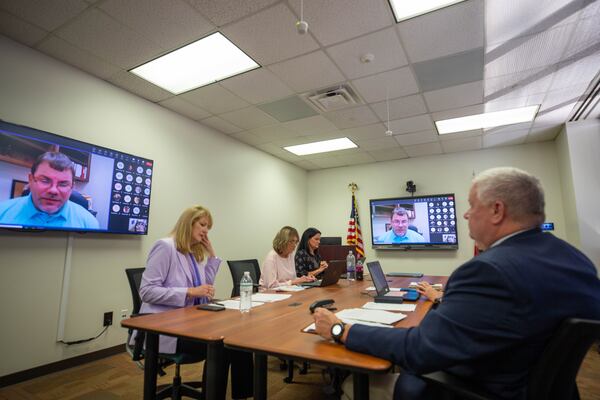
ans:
(453, 384)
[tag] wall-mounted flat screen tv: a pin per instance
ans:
(51, 182)
(414, 223)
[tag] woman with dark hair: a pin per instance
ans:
(308, 260)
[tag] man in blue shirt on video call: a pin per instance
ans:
(400, 232)
(48, 205)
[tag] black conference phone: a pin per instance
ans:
(327, 303)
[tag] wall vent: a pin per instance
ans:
(332, 99)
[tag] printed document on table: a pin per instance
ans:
(289, 288)
(389, 306)
(235, 304)
(380, 316)
(269, 297)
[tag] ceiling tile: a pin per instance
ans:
(400, 108)
(352, 117)
(19, 30)
(410, 139)
(310, 126)
(347, 55)
(108, 39)
(509, 19)
(368, 132)
(507, 138)
(383, 142)
(575, 74)
(48, 15)
(355, 159)
(274, 133)
(519, 84)
(310, 71)
(389, 154)
(81, 59)
(330, 162)
(307, 165)
(184, 108)
(450, 71)
(508, 128)
(451, 30)
(270, 35)
(288, 109)
(145, 89)
(257, 86)
(464, 144)
(412, 124)
(425, 149)
(329, 24)
(221, 125)
(543, 134)
(214, 98)
(391, 84)
(221, 12)
(170, 24)
(460, 135)
(248, 118)
(458, 112)
(249, 138)
(454, 96)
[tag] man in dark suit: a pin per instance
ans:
(499, 308)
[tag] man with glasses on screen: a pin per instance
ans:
(400, 232)
(48, 205)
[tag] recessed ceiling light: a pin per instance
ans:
(487, 120)
(197, 64)
(404, 9)
(321, 147)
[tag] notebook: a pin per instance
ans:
(330, 276)
(384, 295)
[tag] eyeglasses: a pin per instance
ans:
(46, 183)
(294, 241)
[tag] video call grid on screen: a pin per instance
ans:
(433, 217)
(116, 185)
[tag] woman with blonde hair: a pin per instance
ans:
(180, 271)
(279, 267)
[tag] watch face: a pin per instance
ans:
(336, 330)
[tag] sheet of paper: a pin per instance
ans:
(289, 288)
(389, 306)
(269, 297)
(379, 316)
(235, 304)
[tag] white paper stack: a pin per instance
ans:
(389, 306)
(289, 288)
(269, 297)
(377, 316)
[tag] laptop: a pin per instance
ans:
(383, 290)
(330, 276)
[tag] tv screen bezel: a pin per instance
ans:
(413, 246)
(26, 131)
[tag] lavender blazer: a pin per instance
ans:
(166, 280)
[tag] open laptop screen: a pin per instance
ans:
(378, 277)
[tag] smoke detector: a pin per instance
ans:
(332, 99)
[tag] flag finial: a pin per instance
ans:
(353, 186)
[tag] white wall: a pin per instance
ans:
(568, 191)
(329, 196)
(193, 165)
(583, 142)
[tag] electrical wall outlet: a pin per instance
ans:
(108, 318)
(124, 313)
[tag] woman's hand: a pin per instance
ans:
(207, 245)
(201, 291)
(428, 291)
(302, 279)
(322, 267)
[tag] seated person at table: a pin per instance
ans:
(499, 309)
(308, 260)
(279, 268)
(400, 232)
(180, 271)
(50, 184)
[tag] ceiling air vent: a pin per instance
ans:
(332, 99)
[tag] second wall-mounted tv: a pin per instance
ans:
(51, 182)
(414, 223)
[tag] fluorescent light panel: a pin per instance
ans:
(406, 9)
(321, 147)
(200, 63)
(487, 120)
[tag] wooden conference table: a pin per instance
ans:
(271, 329)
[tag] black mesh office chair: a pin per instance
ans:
(553, 376)
(177, 389)
(237, 269)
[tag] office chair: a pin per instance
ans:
(237, 269)
(177, 389)
(553, 376)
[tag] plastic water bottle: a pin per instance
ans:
(350, 266)
(246, 293)
(359, 271)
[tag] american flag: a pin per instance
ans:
(354, 233)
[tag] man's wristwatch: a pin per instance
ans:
(337, 330)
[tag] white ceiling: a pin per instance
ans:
(476, 56)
